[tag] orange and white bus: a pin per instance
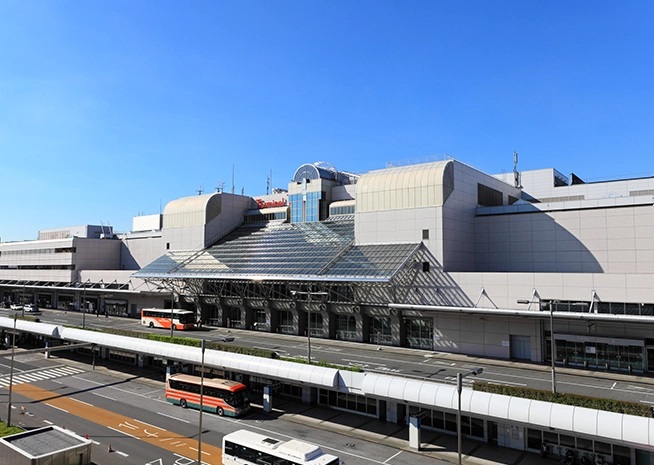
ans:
(221, 396)
(163, 318)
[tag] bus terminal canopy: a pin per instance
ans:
(622, 428)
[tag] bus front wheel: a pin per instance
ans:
(220, 411)
(151, 325)
(183, 403)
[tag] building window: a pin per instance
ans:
(425, 267)
(488, 197)
(425, 234)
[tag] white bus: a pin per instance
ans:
(162, 318)
(247, 448)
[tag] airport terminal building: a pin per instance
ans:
(437, 256)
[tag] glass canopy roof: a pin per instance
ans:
(318, 251)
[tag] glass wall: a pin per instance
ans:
(419, 332)
(559, 444)
(346, 327)
(380, 331)
(286, 325)
(352, 402)
(591, 354)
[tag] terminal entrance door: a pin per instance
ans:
(520, 347)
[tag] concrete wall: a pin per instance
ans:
(616, 239)
(140, 249)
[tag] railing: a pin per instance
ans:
(346, 335)
(286, 329)
(381, 339)
(420, 343)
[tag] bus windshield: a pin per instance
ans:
(238, 398)
(186, 318)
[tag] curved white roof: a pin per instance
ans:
(276, 369)
(619, 428)
(192, 211)
(627, 429)
(413, 186)
(43, 329)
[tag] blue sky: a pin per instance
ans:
(110, 109)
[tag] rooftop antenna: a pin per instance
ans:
(232, 179)
(199, 191)
(516, 173)
(220, 187)
(267, 185)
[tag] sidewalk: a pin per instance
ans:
(436, 445)
(462, 358)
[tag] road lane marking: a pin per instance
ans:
(148, 424)
(54, 406)
(173, 417)
(137, 429)
(392, 457)
(81, 402)
(102, 395)
(122, 432)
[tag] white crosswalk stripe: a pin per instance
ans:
(40, 375)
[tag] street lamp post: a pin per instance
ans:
(309, 329)
(201, 405)
(172, 314)
(83, 305)
(11, 371)
(459, 388)
(309, 294)
(552, 347)
(552, 339)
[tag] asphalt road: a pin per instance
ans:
(431, 365)
(131, 413)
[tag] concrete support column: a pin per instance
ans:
(414, 432)
(360, 330)
(397, 330)
(170, 370)
(391, 412)
(267, 398)
(309, 395)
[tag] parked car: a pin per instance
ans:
(32, 309)
(16, 307)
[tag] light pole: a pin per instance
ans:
(172, 315)
(552, 347)
(201, 405)
(309, 294)
(459, 388)
(309, 329)
(83, 304)
(552, 339)
(11, 372)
